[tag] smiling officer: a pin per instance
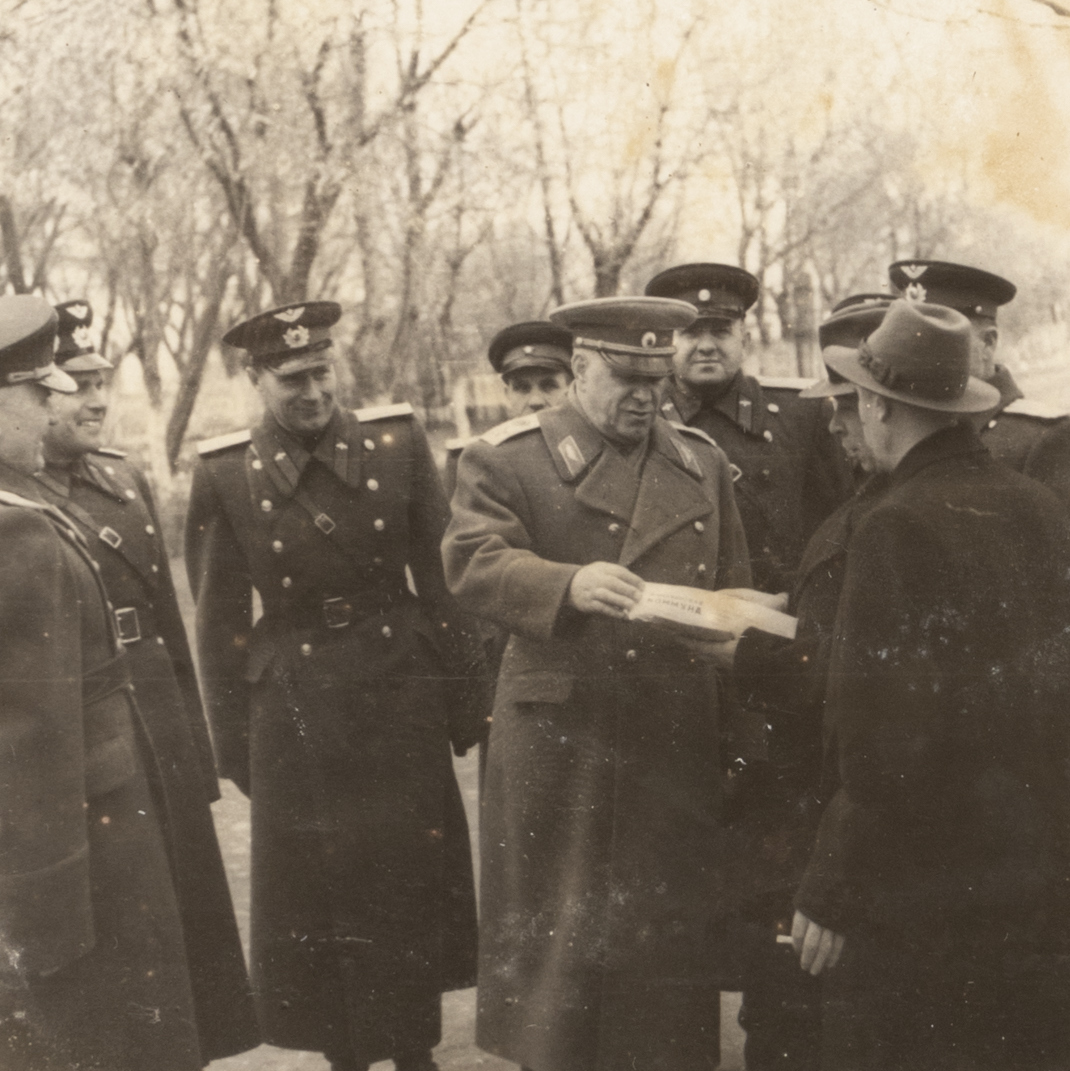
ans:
(335, 710)
(109, 500)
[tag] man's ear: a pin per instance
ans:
(882, 406)
(990, 338)
(579, 363)
(744, 337)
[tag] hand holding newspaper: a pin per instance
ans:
(710, 615)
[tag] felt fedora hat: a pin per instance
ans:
(920, 355)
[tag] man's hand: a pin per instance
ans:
(604, 588)
(772, 602)
(816, 946)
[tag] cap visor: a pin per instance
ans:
(54, 378)
(827, 389)
(87, 362)
(978, 397)
(301, 363)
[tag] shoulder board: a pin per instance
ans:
(785, 382)
(9, 498)
(222, 442)
(1033, 408)
(110, 451)
(382, 412)
(697, 432)
(517, 426)
(455, 446)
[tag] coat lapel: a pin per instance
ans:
(671, 495)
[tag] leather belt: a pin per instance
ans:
(132, 626)
(339, 611)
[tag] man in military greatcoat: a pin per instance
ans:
(1029, 435)
(936, 896)
(789, 472)
(335, 710)
(600, 838)
(110, 503)
(93, 971)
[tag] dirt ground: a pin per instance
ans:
(458, 1051)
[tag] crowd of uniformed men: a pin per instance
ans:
(865, 829)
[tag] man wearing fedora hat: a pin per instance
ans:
(1030, 435)
(93, 970)
(109, 500)
(936, 893)
(601, 854)
(335, 710)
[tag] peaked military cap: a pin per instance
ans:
(532, 344)
(718, 291)
(851, 321)
(971, 291)
(920, 355)
(27, 344)
(631, 334)
(288, 339)
(75, 351)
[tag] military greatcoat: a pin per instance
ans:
(790, 474)
(335, 712)
(110, 503)
(93, 972)
(601, 815)
(942, 852)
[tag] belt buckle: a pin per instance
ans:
(337, 612)
(127, 625)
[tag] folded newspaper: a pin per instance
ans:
(708, 614)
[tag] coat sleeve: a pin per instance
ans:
(173, 631)
(890, 671)
(1049, 461)
(222, 587)
(490, 564)
(468, 688)
(46, 916)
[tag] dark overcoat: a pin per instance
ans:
(110, 503)
(601, 814)
(790, 473)
(94, 968)
(335, 713)
(948, 792)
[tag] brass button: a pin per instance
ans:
(258, 464)
(368, 444)
(280, 455)
(614, 527)
(130, 494)
(341, 446)
(373, 485)
(287, 582)
(306, 649)
(767, 435)
(109, 470)
(378, 524)
(155, 568)
(993, 423)
(276, 546)
(159, 640)
(701, 568)
(699, 526)
(149, 528)
(266, 505)
(773, 407)
(387, 631)
(631, 655)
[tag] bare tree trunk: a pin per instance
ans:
(12, 248)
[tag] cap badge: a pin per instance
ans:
(915, 292)
(79, 312)
(704, 295)
(529, 349)
(288, 316)
(296, 337)
(914, 271)
(649, 339)
(81, 337)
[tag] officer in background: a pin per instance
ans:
(534, 360)
(335, 710)
(110, 503)
(790, 474)
(93, 972)
(1032, 437)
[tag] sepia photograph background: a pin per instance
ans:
(445, 168)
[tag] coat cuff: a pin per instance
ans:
(46, 916)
